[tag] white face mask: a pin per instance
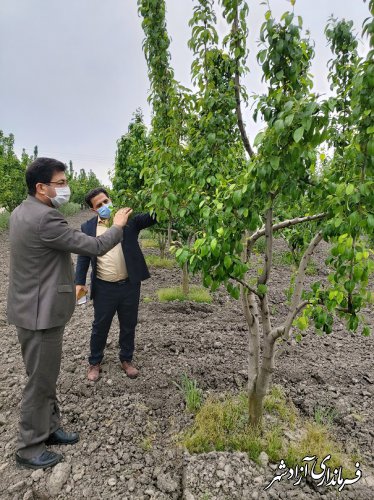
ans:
(62, 196)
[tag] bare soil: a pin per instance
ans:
(128, 427)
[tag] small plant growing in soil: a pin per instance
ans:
(324, 416)
(192, 394)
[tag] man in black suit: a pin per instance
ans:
(115, 283)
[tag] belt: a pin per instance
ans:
(121, 282)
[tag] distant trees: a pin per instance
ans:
(132, 149)
(12, 176)
(80, 183)
(12, 173)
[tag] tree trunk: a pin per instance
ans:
(185, 282)
(250, 309)
(162, 244)
(169, 234)
(255, 408)
(260, 367)
(256, 394)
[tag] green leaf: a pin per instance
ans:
(298, 134)
(183, 257)
(211, 138)
(302, 323)
(274, 161)
(262, 289)
(261, 56)
(258, 139)
(289, 119)
(207, 281)
(349, 285)
(213, 244)
(349, 189)
(366, 331)
(227, 261)
(237, 197)
(279, 125)
(280, 74)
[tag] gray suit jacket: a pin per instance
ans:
(41, 291)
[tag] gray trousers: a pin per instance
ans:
(40, 416)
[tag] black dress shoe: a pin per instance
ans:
(46, 459)
(62, 437)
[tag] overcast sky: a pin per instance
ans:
(73, 71)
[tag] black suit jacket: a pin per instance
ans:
(135, 263)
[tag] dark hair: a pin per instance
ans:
(42, 170)
(93, 193)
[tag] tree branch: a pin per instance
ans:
(251, 314)
(265, 315)
(237, 93)
(281, 330)
(286, 223)
(248, 287)
(263, 279)
(299, 283)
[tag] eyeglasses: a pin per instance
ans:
(59, 183)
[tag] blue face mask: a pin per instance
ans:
(105, 211)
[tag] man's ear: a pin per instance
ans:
(40, 188)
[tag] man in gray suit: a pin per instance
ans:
(41, 300)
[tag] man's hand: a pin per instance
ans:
(121, 217)
(80, 290)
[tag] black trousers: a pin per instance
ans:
(121, 297)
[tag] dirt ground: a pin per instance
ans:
(128, 427)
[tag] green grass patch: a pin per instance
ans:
(157, 261)
(192, 394)
(70, 208)
(275, 404)
(311, 269)
(259, 246)
(147, 443)
(4, 220)
(148, 243)
(324, 416)
(206, 496)
(318, 441)
(147, 300)
(287, 259)
(196, 294)
(146, 234)
(221, 424)
(283, 259)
